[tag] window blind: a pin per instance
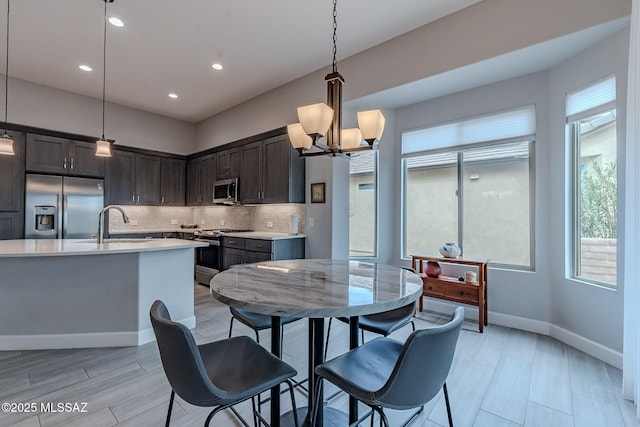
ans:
(519, 122)
(587, 101)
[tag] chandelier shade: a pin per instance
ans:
(299, 139)
(371, 123)
(315, 118)
(351, 138)
(103, 148)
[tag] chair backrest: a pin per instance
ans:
(181, 359)
(423, 366)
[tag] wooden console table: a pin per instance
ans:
(452, 289)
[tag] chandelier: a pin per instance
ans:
(318, 120)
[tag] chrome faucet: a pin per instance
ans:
(125, 218)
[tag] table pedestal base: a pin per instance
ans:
(332, 418)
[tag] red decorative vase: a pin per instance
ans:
(433, 269)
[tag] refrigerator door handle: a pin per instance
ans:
(61, 221)
(64, 221)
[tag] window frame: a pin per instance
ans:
(575, 250)
(459, 150)
(375, 210)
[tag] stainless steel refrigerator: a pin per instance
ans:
(62, 207)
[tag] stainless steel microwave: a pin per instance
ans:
(225, 192)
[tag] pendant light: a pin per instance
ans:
(103, 145)
(316, 120)
(6, 142)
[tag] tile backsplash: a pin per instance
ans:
(272, 218)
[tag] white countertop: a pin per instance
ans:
(65, 247)
(264, 235)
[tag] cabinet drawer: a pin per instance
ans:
(234, 242)
(459, 292)
(258, 245)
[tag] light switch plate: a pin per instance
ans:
(269, 224)
(222, 222)
(133, 222)
(202, 221)
(312, 222)
(174, 221)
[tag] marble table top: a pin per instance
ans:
(316, 287)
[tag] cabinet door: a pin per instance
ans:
(47, 154)
(120, 178)
(11, 225)
(147, 180)
(83, 160)
(228, 164)
(231, 257)
(12, 176)
(250, 180)
(276, 170)
(208, 178)
(194, 186)
(172, 182)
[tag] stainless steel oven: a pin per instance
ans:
(208, 259)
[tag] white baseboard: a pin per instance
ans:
(592, 348)
(83, 340)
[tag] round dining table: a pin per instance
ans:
(315, 289)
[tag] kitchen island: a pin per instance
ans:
(78, 293)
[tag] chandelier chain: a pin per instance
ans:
(335, 37)
(6, 75)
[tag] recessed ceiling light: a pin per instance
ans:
(217, 66)
(173, 95)
(85, 68)
(116, 22)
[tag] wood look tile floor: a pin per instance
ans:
(503, 377)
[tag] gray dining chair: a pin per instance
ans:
(384, 373)
(384, 323)
(219, 374)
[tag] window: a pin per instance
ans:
(476, 189)
(592, 130)
(363, 204)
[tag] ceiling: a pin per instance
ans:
(169, 47)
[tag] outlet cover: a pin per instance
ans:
(174, 221)
(133, 222)
(269, 224)
(312, 222)
(202, 221)
(222, 222)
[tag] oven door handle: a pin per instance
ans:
(210, 242)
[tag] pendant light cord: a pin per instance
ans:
(6, 75)
(335, 37)
(104, 65)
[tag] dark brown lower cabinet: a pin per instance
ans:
(246, 251)
(11, 226)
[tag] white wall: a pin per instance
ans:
(516, 293)
(32, 104)
(589, 311)
(485, 30)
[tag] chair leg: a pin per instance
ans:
(383, 418)
(314, 412)
(326, 341)
(362, 333)
(173, 395)
(253, 411)
(413, 326)
(293, 404)
(231, 326)
(446, 400)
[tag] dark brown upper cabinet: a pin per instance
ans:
(271, 172)
(12, 176)
(62, 156)
(172, 181)
(201, 175)
(133, 179)
(228, 163)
